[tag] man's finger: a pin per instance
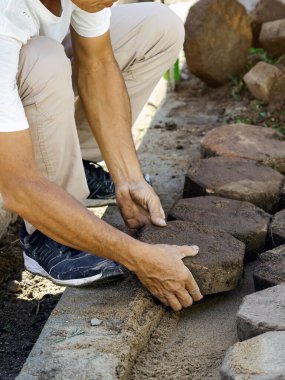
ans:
(193, 288)
(184, 298)
(173, 302)
(156, 212)
(188, 251)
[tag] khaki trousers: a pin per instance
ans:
(146, 39)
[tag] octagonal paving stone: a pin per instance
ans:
(270, 268)
(261, 312)
(277, 229)
(264, 145)
(243, 220)
(219, 264)
(258, 358)
(239, 179)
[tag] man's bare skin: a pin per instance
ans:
(58, 215)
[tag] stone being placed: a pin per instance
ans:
(260, 80)
(219, 264)
(261, 312)
(218, 37)
(259, 358)
(277, 229)
(272, 38)
(243, 220)
(270, 268)
(264, 145)
(239, 179)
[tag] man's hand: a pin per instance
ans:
(139, 205)
(162, 271)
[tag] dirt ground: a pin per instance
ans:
(198, 109)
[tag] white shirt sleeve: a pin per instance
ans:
(90, 24)
(12, 114)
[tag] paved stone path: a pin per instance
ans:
(261, 312)
(243, 220)
(270, 268)
(234, 178)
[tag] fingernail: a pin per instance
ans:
(195, 248)
(161, 222)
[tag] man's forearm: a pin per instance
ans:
(105, 99)
(58, 215)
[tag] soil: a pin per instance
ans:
(24, 313)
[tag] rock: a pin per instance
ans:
(270, 268)
(244, 180)
(218, 37)
(14, 286)
(219, 263)
(243, 220)
(264, 145)
(272, 38)
(96, 322)
(259, 358)
(277, 229)
(252, 320)
(260, 80)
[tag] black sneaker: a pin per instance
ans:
(63, 265)
(100, 183)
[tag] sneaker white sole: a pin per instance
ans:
(33, 267)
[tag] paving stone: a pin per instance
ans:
(219, 264)
(218, 36)
(259, 358)
(272, 37)
(264, 145)
(270, 268)
(262, 312)
(243, 220)
(277, 229)
(233, 178)
(260, 80)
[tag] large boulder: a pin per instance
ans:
(277, 229)
(233, 178)
(251, 318)
(219, 264)
(264, 145)
(259, 358)
(243, 220)
(218, 37)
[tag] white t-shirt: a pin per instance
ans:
(21, 20)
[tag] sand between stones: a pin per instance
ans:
(243, 220)
(218, 266)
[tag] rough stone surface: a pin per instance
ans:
(218, 36)
(259, 358)
(234, 178)
(243, 220)
(262, 312)
(219, 264)
(260, 80)
(264, 145)
(270, 268)
(272, 37)
(277, 229)
(70, 348)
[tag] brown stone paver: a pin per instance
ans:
(219, 263)
(270, 268)
(243, 220)
(244, 180)
(218, 36)
(264, 145)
